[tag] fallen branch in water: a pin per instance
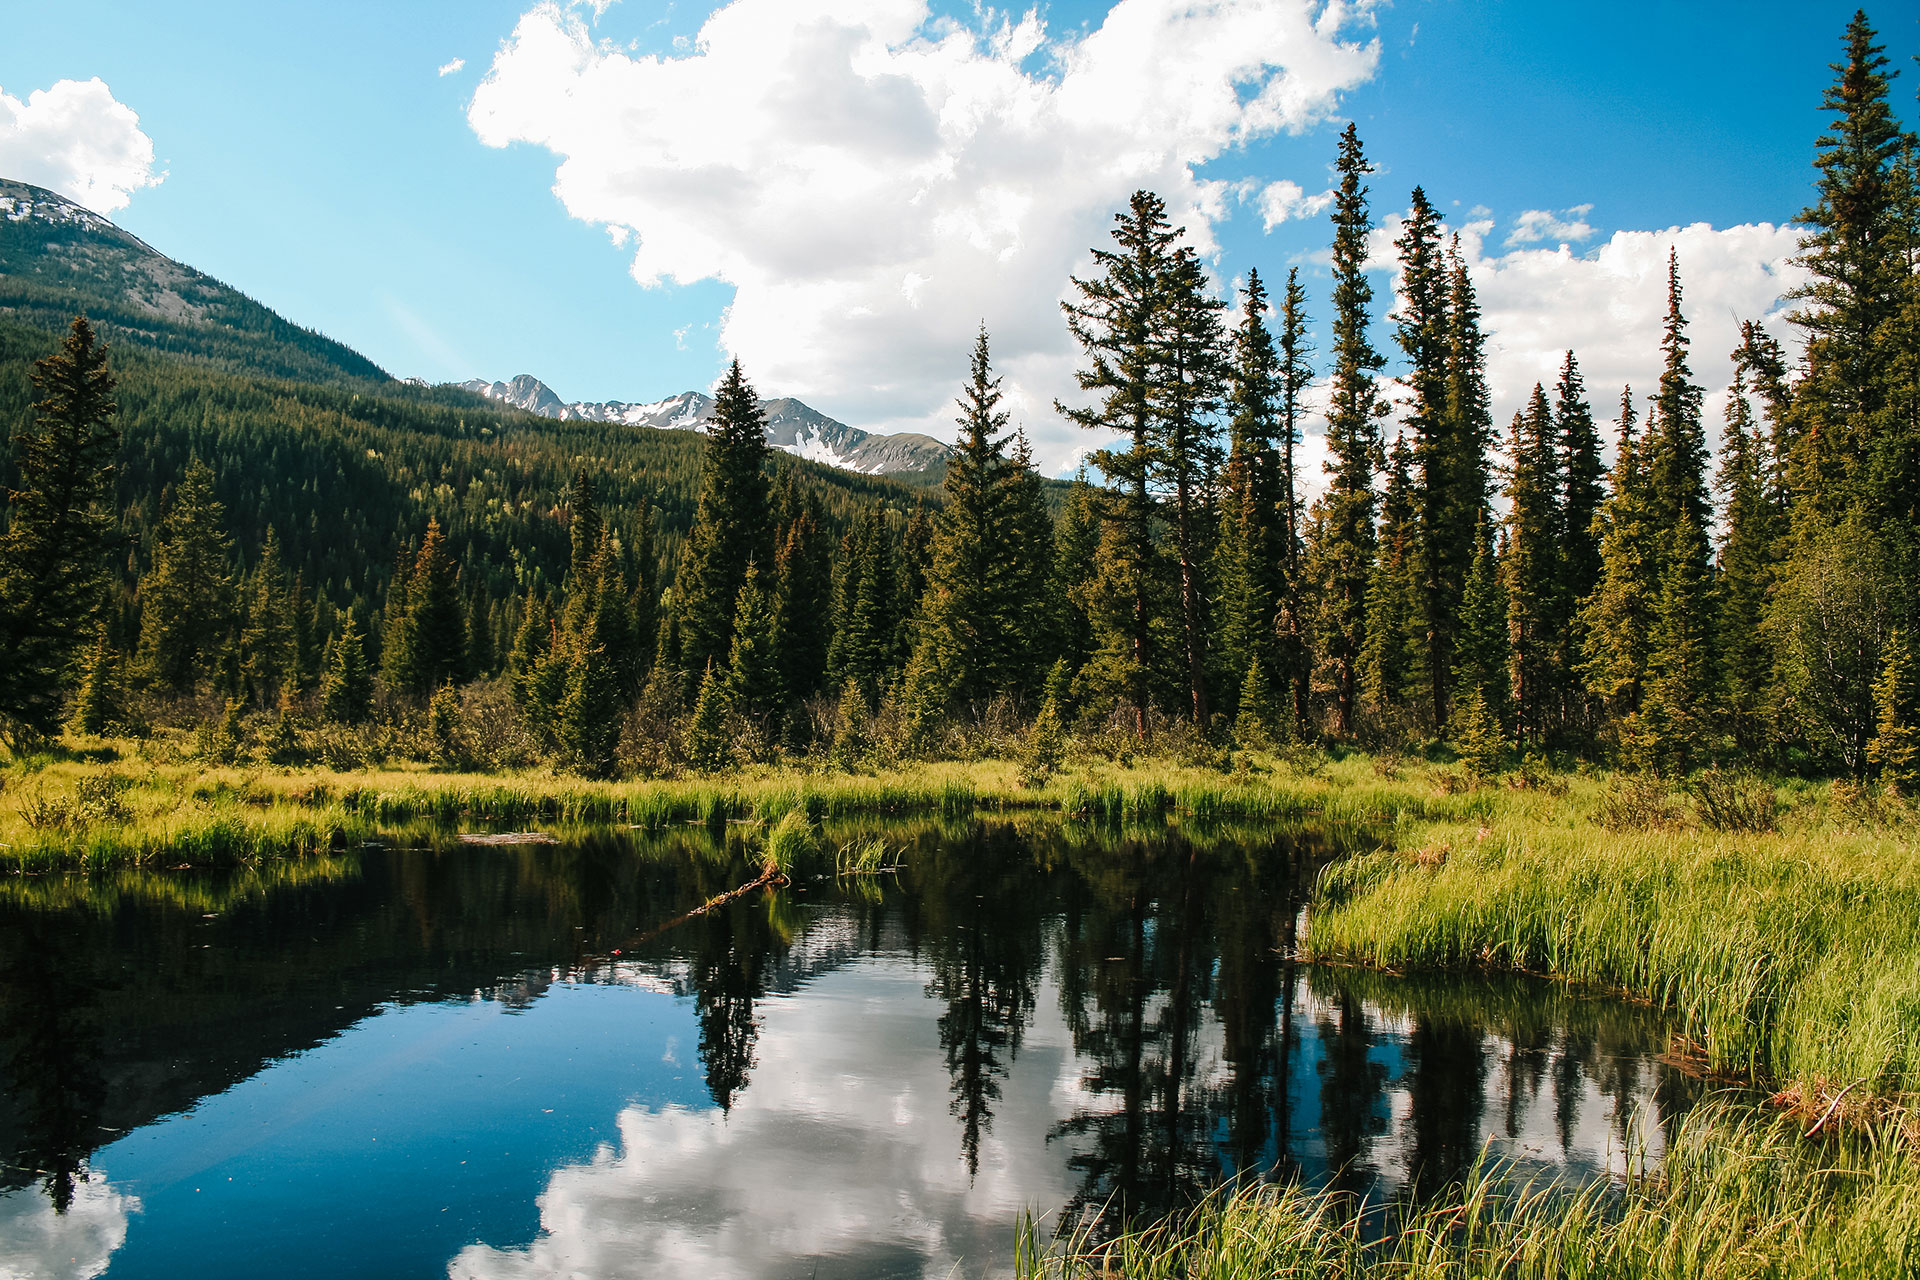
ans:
(769, 875)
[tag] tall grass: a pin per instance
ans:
(1791, 957)
(1738, 1195)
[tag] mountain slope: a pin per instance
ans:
(792, 426)
(57, 258)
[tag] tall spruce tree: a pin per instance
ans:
(1483, 654)
(1295, 376)
(754, 686)
(1750, 536)
(1445, 510)
(730, 525)
(1617, 618)
(803, 600)
(346, 695)
(1253, 553)
(1343, 552)
(1532, 569)
(52, 553)
(1582, 490)
(1857, 253)
(427, 644)
(1114, 318)
(1675, 724)
(974, 615)
(1394, 631)
(1187, 385)
(267, 635)
(186, 606)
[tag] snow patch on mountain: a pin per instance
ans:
(792, 427)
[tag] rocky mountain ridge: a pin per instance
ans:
(792, 426)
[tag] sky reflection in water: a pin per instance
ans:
(818, 1085)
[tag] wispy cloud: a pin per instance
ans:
(451, 68)
(1568, 226)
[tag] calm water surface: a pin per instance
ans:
(492, 1062)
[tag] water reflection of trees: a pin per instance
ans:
(50, 1062)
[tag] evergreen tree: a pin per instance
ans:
(803, 604)
(1532, 569)
(710, 733)
(866, 624)
(1030, 526)
(268, 659)
(101, 701)
(346, 696)
(1295, 377)
(52, 552)
(584, 525)
(730, 525)
(1676, 722)
(975, 612)
(1895, 749)
(754, 685)
(1344, 552)
(480, 659)
(1187, 386)
(643, 603)
(427, 646)
(1258, 723)
(1617, 618)
(186, 618)
(1076, 542)
(1582, 477)
(1676, 444)
(1393, 604)
(1857, 251)
(1444, 512)
(1114, 320)
(1469, 437)
(1483, 654)
(1750, 533)
(1253, 529)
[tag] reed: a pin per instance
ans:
(1738, 1195)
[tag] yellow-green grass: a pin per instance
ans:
(194, 814)
(1739, 1196)
(1790, 957)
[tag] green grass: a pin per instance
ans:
(1739, 1195)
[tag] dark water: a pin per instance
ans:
(480, 1062)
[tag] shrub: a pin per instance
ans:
(1637, 802)
(1726, 800)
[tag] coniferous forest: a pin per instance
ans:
(356, 569)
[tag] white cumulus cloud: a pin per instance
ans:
(874, 181)
(77, 139)
(1536, 225)
(1286, 199)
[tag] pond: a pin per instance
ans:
(522, 1061)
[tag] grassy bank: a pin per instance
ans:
(1739, 1196)
(95, 813)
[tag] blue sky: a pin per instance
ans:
(316, 157)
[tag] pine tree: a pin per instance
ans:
(971, 631)
(1582, 477)
(803, 603)
(730, 524)
(866, 624)
(1344, 515)
(1895, 749)
(1483, 655)
(1617, 618)
(1076, 542)
(754, 686)
(101, 701)
(1030, 528)
(1469, 437)
(1676, 444)
(186, 618)
(1296, 376)
(1252, 557)
(1441, 548)
(1857, 253)
(1393, 604)
(428, 646)
(1114, 320)
(268, 659)
(346, 696)
(1187, 386)
(1258, 723)
(1750, 534)
(710, 734)
(1532, 569)
(643, 603)
(1676, 722)
(52, 553)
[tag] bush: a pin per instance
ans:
(1726, 800)
(1637, 802)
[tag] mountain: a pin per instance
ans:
(791, 426)
(57, 258)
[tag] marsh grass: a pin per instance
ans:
(1738, 1195)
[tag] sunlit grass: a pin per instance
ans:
(1738, 1195)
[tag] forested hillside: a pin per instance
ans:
(656, 601)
